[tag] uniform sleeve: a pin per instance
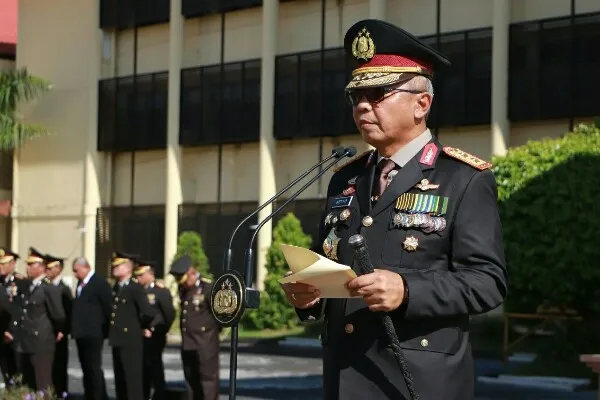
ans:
(477, 279)
(145, 310)
(54, 307)
(165, 301)
(67, 302)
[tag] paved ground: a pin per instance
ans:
(295, 377)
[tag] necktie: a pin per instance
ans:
(385, 167)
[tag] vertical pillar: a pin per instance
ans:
(91, 161)
(174, 195)
(377, 9)
(267, 187)
(14, 212)
(500, 43)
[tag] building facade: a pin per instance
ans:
(185, 115)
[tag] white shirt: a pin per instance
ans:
(84, 282)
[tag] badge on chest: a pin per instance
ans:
(420, 211)
(337, 218)
(151, 298)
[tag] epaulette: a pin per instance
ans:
(358, 157)
(206, 280)
(467, 158)
(159, 284)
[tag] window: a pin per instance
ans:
(124, 14)
(553, 64)
(309, 95)
(132, 112)
(220, 104)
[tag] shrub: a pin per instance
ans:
(549, 193)
(190, 243)
(274, 311)
(18, 391)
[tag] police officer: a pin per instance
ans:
(429, 217)
(54, 268)
(199, 332)
(155, 338)
(14, 286)
(131, 315)
(40, 326)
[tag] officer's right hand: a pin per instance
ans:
(8, 337)
(301, 295)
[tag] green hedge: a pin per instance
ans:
(549, 199)
(274, 311)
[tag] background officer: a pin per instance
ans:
(40, 325)
(131, 315)
(430, 219)
(199, 332)
(13, 285)
(54, 268)
(155, 339)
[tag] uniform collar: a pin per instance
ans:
(406, 153)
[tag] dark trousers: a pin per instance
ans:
(36, 369)
(201, 371)
(90, 358)
(59, 367)
(8, 362)
(154, 370)
(128, 362)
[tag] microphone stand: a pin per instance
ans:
(248, 272)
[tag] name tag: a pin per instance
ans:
(342, 201)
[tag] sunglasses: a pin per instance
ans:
(374, 95)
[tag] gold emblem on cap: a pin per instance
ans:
(226, 301)
(410, 243)
(363, 47)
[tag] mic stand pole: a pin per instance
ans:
(231, 293)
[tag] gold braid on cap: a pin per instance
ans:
(389, 70)
(53, 264)
(141, 269)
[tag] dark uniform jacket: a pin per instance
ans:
(41, 317)
(198, 327)
(164, 313)
(130, 316)
(15, 289)
(453, 266)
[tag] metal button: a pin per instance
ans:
(424, 342)
(112, 322)
(185, 311)
(367, 221)
(113, 314)
(349, 328)
(202, 329)
(124, 329)
(185, 303)
(184, 329)
(124, 301)
(116, 298)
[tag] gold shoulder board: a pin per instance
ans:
(467, 158)
(358, 157)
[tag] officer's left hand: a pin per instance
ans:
(382, 290)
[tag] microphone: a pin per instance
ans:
(338, 153)
(349, 151)
(361, 255)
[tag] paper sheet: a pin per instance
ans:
(313, 269)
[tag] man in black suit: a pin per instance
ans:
(89, 326)
(131, 315)
(155, 339)
(40, 325)
(429, 217)
(60, 377)
(13, 285)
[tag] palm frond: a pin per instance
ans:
(14, 133)
(18, 86)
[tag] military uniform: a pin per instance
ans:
(199, 335)
(60, 375)
(161, 300)
(41, 317)
(436, 224)
(13, 287)
(131, 315)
